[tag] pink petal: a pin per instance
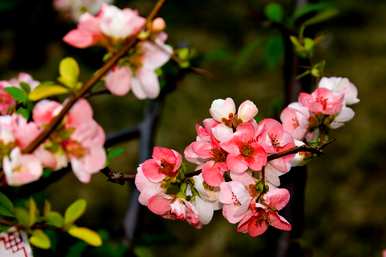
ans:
(118, 81)
(212, 175)
(236, 163)
(151, 171)
(277, 198)
(277, 221)
(159, 205)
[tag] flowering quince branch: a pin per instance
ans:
(89, 83)
(239, 160)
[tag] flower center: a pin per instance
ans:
(219, 155)
(246, 150)
(167, 168)
(295, 123)
(74, 148)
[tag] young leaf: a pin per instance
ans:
(55, 219)
(25, 86)
(321, 17)
(22, 216)
(274, 12)
(40, 239)
(33, 211)
(23, 112)
(113, 153)
(18, 94)
(142, 251)
(69, 72)
(89, 236)
(47, 90)
(309, 8)
(46, 208)
(6, 206)
(74, 211)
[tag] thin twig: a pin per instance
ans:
(117, 177)
(89, 84)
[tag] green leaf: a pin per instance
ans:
(18, 94)
(321, 17)
(309, 8)
(40, 239)
(74, 211)
(89, 236)
(55, 219)
(23, 112)
(274, 12)
(25, 86)
(6, 206)
(46, 208)
(33, 211)
(113, 153)
(69, 72)
(47, 90)
(22, 216)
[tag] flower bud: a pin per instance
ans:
(247, 111)
(158, 25)
(222, 109)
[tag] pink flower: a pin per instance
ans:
(207, 153)
(119, 24)
(260, 216)
(235, 199)
(6, 131)
(295, 120)
(345, 115)
(7, 103)
(44, 111)
(174, 208)
(111, 23)
(118, 80)
(20, 169)
(86, 34)
(53, 160)
(223, 110)
(244, 151)
(322, 101)
(25, 132)
(275, 139)
(165, 163)
(85, 145)
(141, 76)
(342, 86)
(247, 111)
(146, 188)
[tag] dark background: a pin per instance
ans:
(345, 195)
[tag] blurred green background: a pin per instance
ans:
(345, 208)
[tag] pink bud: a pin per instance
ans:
(247, 111)
(158, 25)
(222, 109)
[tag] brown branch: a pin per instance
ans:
(117, 177)
(295, 150)
(89, 84)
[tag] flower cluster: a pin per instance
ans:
(311, 118)
(79, 139)
(112, 27)
(239, 160)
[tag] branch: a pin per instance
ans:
(117, 177)
(89, 84)
(303, 148)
